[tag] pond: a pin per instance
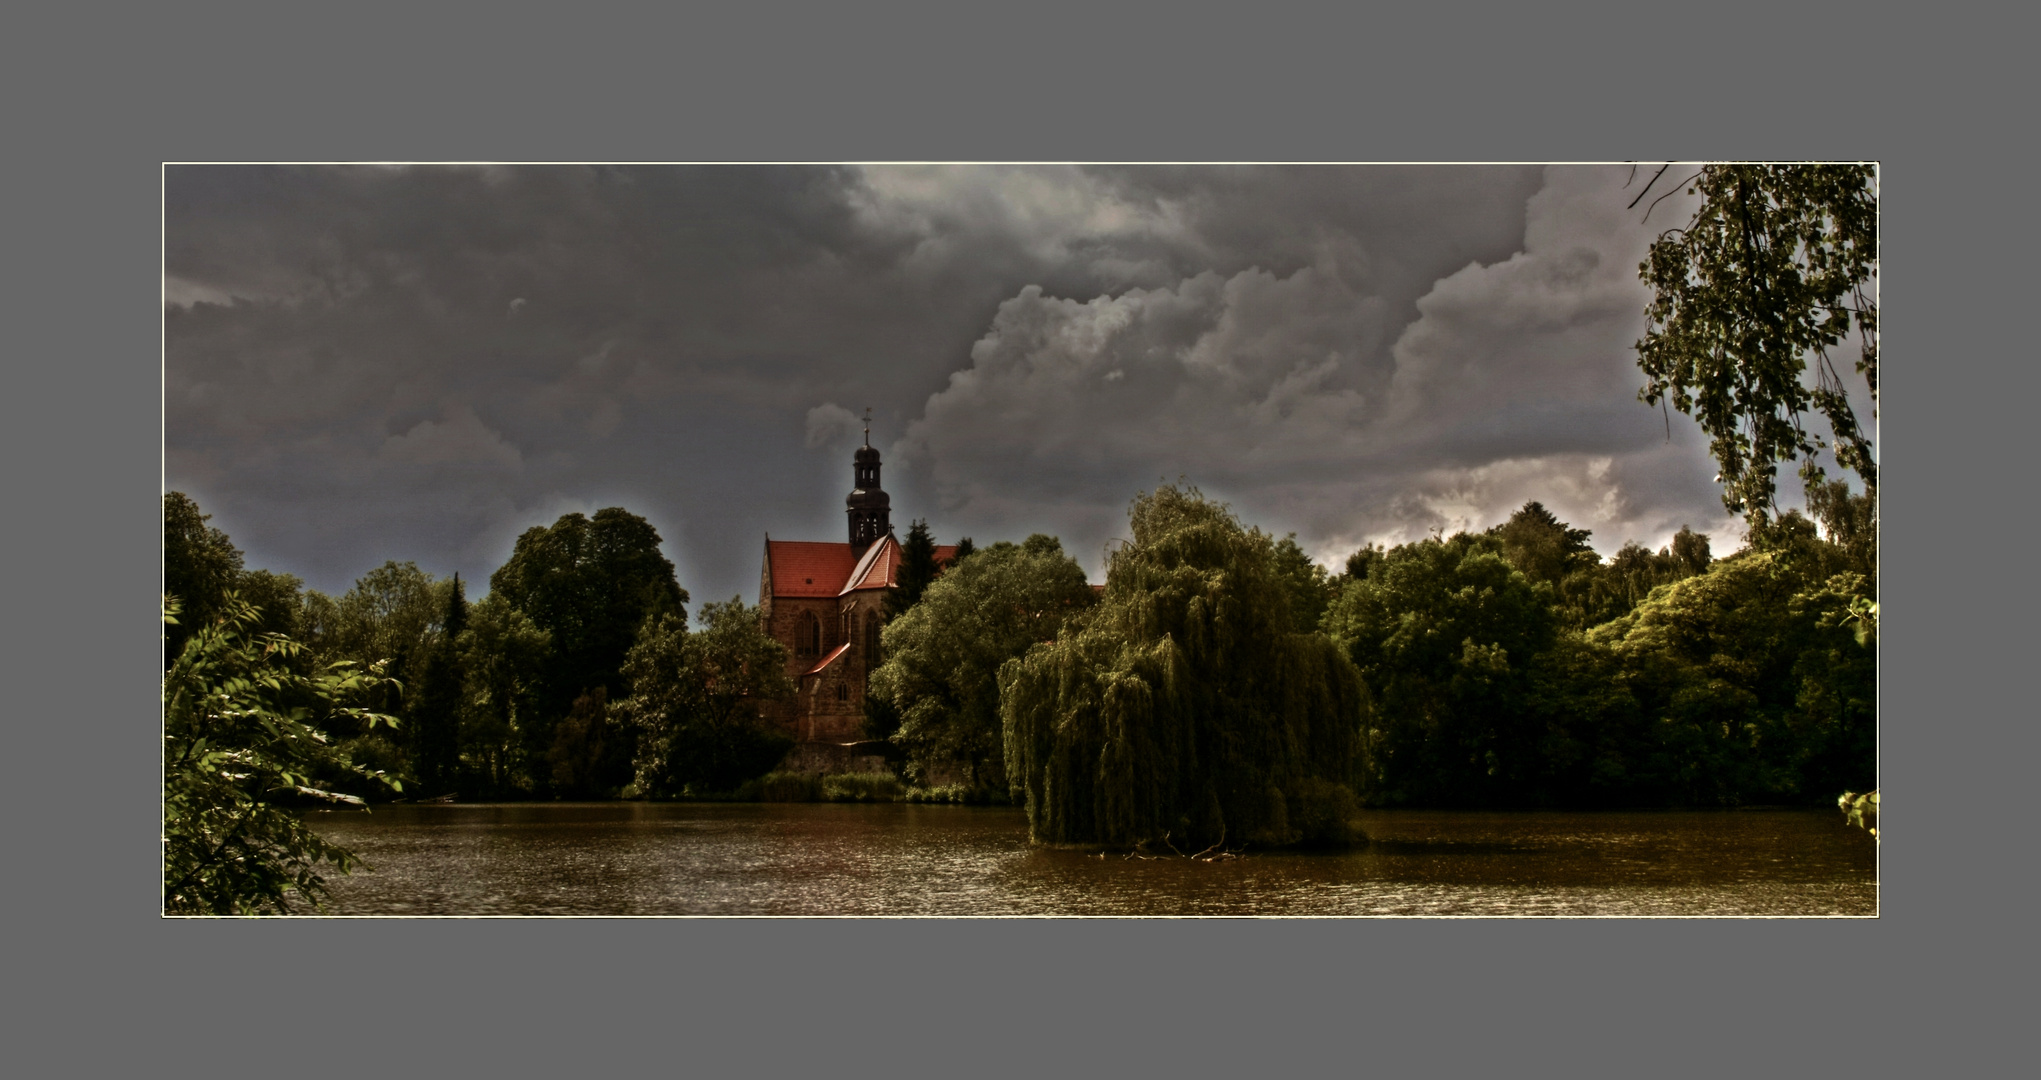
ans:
(797, 859)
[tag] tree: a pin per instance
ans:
(278, 598)
(1444, 631)
(1690, 551)
(1778, 266)
(505, 657)
(1361, 563)
(591, 753)
(237, 753)
(1306, 583)
(391, 617)
(200, 566)
(1595, 592)
(1849, 521)
(917, 569)
(1543, 547)
(941, 673)
(695, 701)
(589, 584)
(1183, 709)
(436, 710)
(1753, 678)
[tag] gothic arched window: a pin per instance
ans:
(871, 640)
(808, 635)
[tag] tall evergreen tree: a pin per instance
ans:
(435, 713)
(917, 569)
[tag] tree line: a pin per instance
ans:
(1224, 682)
(576, 676)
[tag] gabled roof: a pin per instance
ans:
(830, 568)
(878, 568)
(830, 659)
(808, 567)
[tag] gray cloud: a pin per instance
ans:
(370, 363)
(1515, 381)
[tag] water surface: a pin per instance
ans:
(907, 859)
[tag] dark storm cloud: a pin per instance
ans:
(368, 363)
(1350, 397)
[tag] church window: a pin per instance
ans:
(808, 635)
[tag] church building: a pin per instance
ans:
(825, 601)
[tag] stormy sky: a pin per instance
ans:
(418, 363)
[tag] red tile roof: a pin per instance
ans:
(877, 568)
(831, 658)
(808, 567)
(829, 568)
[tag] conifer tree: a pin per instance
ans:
(436, 745)
(917, 569)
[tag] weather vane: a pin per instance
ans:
(868, 425)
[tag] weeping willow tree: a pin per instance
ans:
(1183, 709)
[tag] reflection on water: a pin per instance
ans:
(905, 859)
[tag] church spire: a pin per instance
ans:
(870, 510)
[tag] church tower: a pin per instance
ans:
(870, 510)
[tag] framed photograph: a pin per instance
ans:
(1017, 540)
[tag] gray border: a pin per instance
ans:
(1047, 82)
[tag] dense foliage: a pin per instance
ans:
(1777, 267)
(1225, 689)
(483, 689)
(1184, 709)
(200, 567)
(1748, 679)
(436, 716)
(242, 739)
(589, 583)
(942, 658)
(1442, 631)
(695, 701)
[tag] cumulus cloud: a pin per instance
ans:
(1515, 382)
(1350, 352)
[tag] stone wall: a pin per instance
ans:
(823, 758)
